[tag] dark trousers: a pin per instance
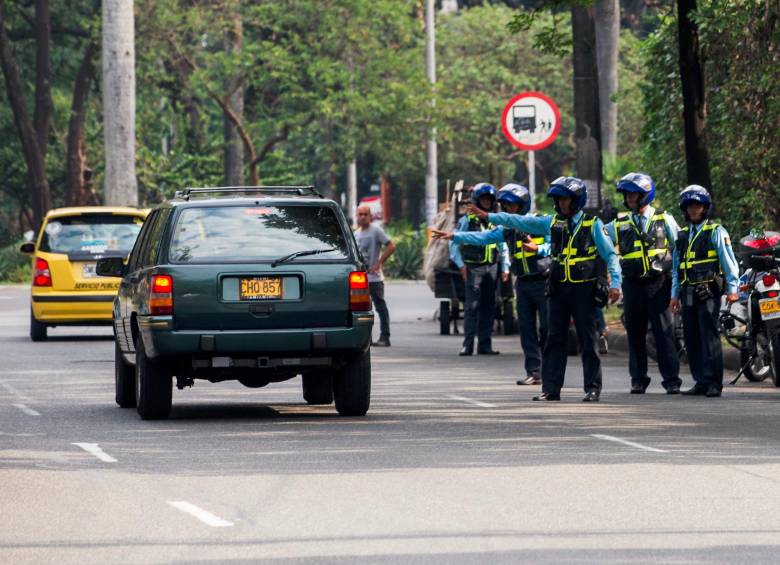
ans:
(702, 339)
(571, 300)
(479, 310)
(647, 300)
(531, 306)
(377, 290)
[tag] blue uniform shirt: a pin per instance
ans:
(643, 220)
(461, 230)
(728, 263)
(540, 225)
(496, 235)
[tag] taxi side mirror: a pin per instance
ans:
(110, 267)
(27, 247)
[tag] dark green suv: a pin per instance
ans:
(253, 284)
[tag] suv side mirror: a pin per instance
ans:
(110, 267)
(27, 247)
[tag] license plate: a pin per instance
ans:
(88, 271)
(770, 308)
(260, 288)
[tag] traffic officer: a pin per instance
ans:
(530, 263)
(577, 243)
(703, 267)
(645, 239)
(479, 266)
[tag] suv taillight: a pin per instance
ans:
(42, 274)
(359, 296)
(161, 297)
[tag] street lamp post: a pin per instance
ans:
(431, 173)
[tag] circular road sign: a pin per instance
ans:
(531, 121)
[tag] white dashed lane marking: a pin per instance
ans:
(27, 410)
(203, 515)
(94, 449)
(470, 401)
(628, 443)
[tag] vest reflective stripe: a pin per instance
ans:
(576, 259)
(698, 254)
(488, 253)
(636, 261)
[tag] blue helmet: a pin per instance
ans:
(695, 193)
(515, 194)
(482, 189)
(638, 182)
(572, 187)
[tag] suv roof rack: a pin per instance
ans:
(298, 190)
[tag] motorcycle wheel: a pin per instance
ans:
(759, 360)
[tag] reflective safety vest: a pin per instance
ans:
(479, 254)
(526, 263)
(699, 262)
(574, 254)
(643, 253)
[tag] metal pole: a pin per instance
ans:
(352, 191)
(431, 173)
(532, 179)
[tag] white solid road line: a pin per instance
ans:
(470, 401)
(93, 449)
(204, 516)
(27, 410)
(629, 443)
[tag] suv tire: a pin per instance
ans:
(124, 380)
(352, 386)
(153, 386)
(317, 388)
(37, 329)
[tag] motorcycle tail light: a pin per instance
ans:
(769, 279)
(772, 294)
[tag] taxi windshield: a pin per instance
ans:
(257, 233)
(90, 235)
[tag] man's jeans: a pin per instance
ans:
(377, 290)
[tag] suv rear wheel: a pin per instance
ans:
(317, 387)
(124, 380)
(352, 386)
(153, 385)
(37, 329)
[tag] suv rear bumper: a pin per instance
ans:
(160, 340)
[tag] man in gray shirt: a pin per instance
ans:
(370, 240)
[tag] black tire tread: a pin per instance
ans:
(352, 386)
(154, 389)
(124, 380)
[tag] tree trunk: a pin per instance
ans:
(694, 100)
(607, 20)
(43, 102)
(234, 147)
(76, 166)
(120, 185)
(34, 159)
(587, 134)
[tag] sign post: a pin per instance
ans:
(531, 121)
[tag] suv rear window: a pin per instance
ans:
(256, 233)
(87, 235)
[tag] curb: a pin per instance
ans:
(618, 340)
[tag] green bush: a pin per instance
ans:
(14, 266)
(407, 260)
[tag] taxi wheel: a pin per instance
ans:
(124, 380)
(153, 386)
(37, 329)
(352, 386)
(317, 387)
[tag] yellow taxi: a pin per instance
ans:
(65, 288)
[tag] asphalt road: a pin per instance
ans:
(453, 464)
